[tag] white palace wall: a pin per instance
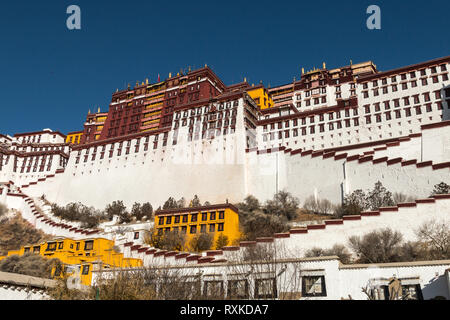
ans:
(220, 169)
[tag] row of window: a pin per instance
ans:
(312, 130)
(412, 75)
(404, 86)
(321, 117)
(263, 288)
(194, 217)
(206, 109)
(338, 124)
(53, 246)
(211, 227)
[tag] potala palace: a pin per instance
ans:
(326, 134)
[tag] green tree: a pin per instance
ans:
(116, 208)
(283, 204)
(170, 203)
(196, 202)
(379, 197)
(201, 242)
(222, 241)
(441, 188)
(249, 205)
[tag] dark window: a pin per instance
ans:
(212, 228)
(213, 289)
(168, 220)
(204, 216)
(193, 229)
(237, 289)
(85, 270)
(194, 217)
(212, 216)
(51, 246)
(221, 214)
(136, 235)
(265, 288)
(88, 245)
(220, 227)
(314, 286)
(185, 218)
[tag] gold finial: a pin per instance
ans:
(178, 74)
(253, 84)
(146, 80)
(245, 79)
(189, 68)
(89, 112)
(324, 65)
(98, 111)
(351, 62)
(170, 74)
(206, 65)
(117, 90)
(303, 70)
(128, 86)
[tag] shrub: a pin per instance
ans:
(249, 205)
(318, 206)
(139, 211)
(283, 204)
(222, 241)
(435, 236)
(337, 250)
(117, 208)
(441, 188)
(259, 224)
(170, 203)
(195, 202)
(88, 216)
(29, 264)
(172, 240)
(377, 247)
(16, 232)
(3, 210)
(201, 242)
(399, 197)
(379, 197)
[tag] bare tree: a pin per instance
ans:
(436, 236)
(377, 246)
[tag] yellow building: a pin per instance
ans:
(74, 137)
(84, 255)
(214, 219)
(261, 96)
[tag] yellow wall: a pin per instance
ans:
(230, 224)
(81, 253)
(261, 97)
(74, 138)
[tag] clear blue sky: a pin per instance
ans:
(50, 76)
